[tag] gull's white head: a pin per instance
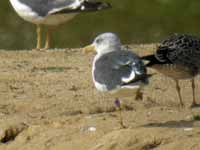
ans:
(106, 42)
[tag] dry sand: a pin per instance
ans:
(48, 102)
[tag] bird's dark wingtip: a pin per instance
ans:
(151, 60)
(95, 6)
(86, 6)
(104, 5)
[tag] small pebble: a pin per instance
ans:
(188, 129)
(188, 117)
(92, 129)
(149, 113)
(88, 117)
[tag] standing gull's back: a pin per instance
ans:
(119, 71)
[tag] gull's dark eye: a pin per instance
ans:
(99, 41)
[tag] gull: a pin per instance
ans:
(52, 13)
(116, 70)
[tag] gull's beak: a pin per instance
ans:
(88, 49)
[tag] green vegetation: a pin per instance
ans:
(50, 69)
(196, 117)
(55, 69)
(136, 21)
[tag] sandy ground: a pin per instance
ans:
(48, 102)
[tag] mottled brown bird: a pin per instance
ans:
(179, 58)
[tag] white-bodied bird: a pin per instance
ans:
(116, 70)
(52, 13)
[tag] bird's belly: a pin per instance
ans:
(125, 92)
(50, 20)
(29, 15)
(118, 93)
(25, 12)
(174, 71)
(56, 19)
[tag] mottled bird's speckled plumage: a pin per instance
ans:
(178, 57)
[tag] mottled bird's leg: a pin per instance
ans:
(139, 94)
(179, 92)
(48, 37)
(194, 103)
(118, 105)
(38, 30)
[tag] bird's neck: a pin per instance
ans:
(108, 50)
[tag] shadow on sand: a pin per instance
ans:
(175, 124)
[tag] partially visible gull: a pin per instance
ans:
(52, 13)
(179, 58)
(116, 70)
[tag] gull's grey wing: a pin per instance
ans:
(119, 68)
(85, 6)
